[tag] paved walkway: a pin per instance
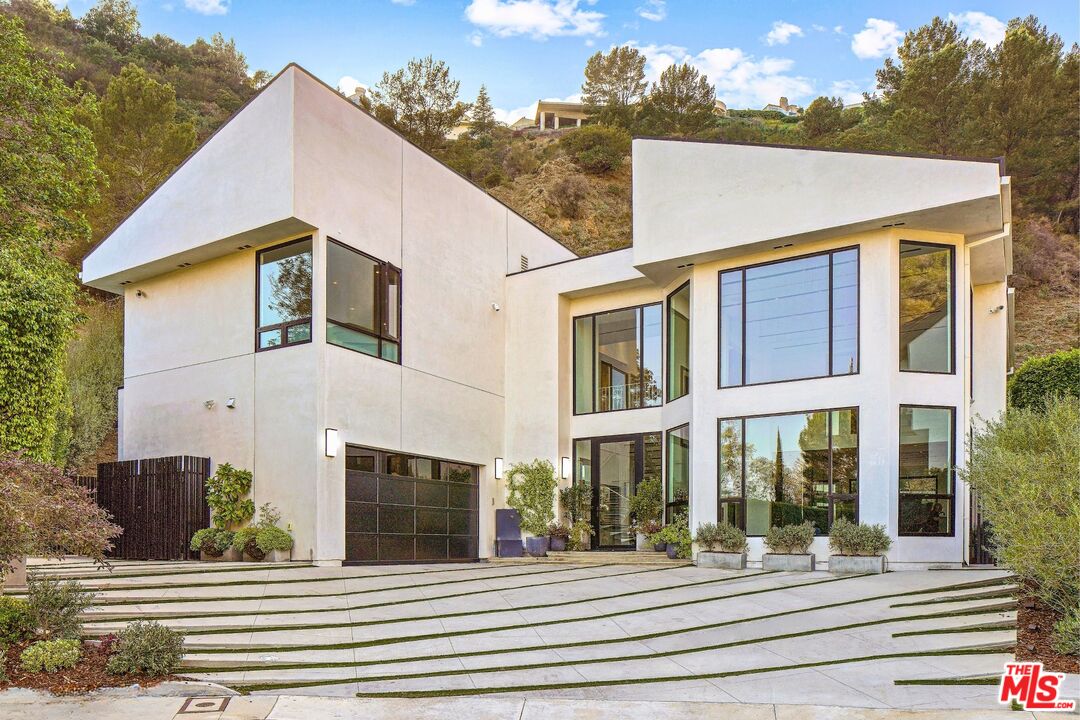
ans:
(504, 633)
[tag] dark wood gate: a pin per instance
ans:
(159, 502)
(979, 535)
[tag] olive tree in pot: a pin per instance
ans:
(646, 508)
(858, 548)
(531, 491)
(789, 548)
(264, 540)
(720, 546)
(576, 502)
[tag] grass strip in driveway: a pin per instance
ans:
(238, 613)
(254, 567)
(986, 627)
(983, 680)
(992, 595)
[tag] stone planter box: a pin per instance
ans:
(557, 543)
(275, 556)
(857, 564)
(660, 547)
(230, 555)
(536, 546)
(722, 560)
(791, 563)
(249, 558)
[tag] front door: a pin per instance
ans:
(616, 472)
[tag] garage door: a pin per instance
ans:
(408, 508)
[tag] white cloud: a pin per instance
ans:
(980, 26)
(782, 32)
(404, 2)
(839, 29)
(849, 91)
(348, 84)
(539, 19)
(878, 39)
(476, 38)
(819, 28)
(514, 114)
(208, 7)
(655, 10)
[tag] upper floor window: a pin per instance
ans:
(927, 457)
(284, 295)
(678, 355)
(363, 303)
(790, 319)
(926, 307)
(618, 362)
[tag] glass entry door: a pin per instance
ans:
(614, 466)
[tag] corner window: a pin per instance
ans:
(678, 336)
(618, 361)
(927, 457)
(284, 295)
(926, 308)
(790, 320)
(363, 303)
(677, 487)
(779, 470)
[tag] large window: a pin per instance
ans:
(284, 295)
(363, 303)
(926, 307)
(927, 456)
(678, 337)
(617, 360)
(790, 319)
(677, 487)
(788, 469)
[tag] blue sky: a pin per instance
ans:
(524, 50)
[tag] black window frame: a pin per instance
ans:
(283, 327)
(669, 343)
(385, 270)
(742, 269)
(951, 497)
(673, 506)
(641, 345)
(721, 500)
(952, 306)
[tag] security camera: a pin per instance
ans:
(495, 307)
(230, 403)
(140, 293)
(998, 309)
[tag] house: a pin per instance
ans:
(382, 339)
(555, 114)
(783, 107)
(523, 123)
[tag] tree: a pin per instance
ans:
(683, 102)
(115, 22)
(1039, 380)
(823, 119)
(94, 369)
(421, 101)
(482, 117)
(614, 83)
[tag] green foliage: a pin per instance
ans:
(16, 622)
(683, 102)
(421, 101)
(531, 491)
(246, 541)
(558, 530)
(790, 539)
(482, 116)
(56, 607)
(614, 84)
(146, 648)
(1023, 469)
(115, 22)
(576, 504)
(51, 655)
(676, 533)
(647, 503)
(1067, 633)
(226, 491)
(1039, 379)
(727, 538)
(94, 368)
(273, 538)
(825, 117)
(848, 538)
(597, 148)
(212, 541)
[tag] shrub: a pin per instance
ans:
(1041, 378)
(576, 502)
(790, 539)
(146, 648)
(848, 538)
(597, 148)
(225, 494)
(568, 194)
(1067, 633)
(16, 621)
(56, 607)
(50, 655)
(531, 491)
(246, 540)
(211, 541)
(676, 533)
(1023, 469)
(558, 530)
(647, 503)
(728, 538)
(273, 538)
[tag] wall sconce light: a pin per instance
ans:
(331, 442)
(209, 404)
(498, 469)
(230, 403)
(566, 468)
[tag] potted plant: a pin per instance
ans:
(264, 540)
(858, 548)
(576, 502)
(651, 531)
(721, 546)
(646, 508)
(214, 545)
(558, 536)
(531, 491)
(789, 548)
(675, 536)
(226, 494)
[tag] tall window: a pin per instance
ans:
(790, 319)
(677, 487)
(617, 360)
(926, 307)
(678, 337)
(927, 457)
(363, 303)
(284, 295)
(788, 469)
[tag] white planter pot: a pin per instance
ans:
(230, 555)
(15, 578)
(643, 544)
(787, 563)
(857, 564)
(722, 560)
(275, 556)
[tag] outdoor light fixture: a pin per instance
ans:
(498, 469)
(566, 468)
(331, 442)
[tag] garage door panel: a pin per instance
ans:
(361, 517)
(361, 547)
(462, 496)
(431, 547)
(361, 487)
(396, 491)
(431, 522)
(431, 494)
(396, 520)
(462, 547)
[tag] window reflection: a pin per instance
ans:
(284, 294)
(618, 361)
(926, 470)
(926, 324)
(679, 343)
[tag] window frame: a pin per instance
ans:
(952, 472)
(952, 307)
(641, 343)
(742, 269)
(282, 326)
(670, 508)
(669, 344)
(385, 270)
(741, 499)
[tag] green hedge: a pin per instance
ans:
(1040, 378)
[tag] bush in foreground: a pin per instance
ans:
(212, 542)
(848, 538)
(16, 622)
(50, 655)
(790, 539)
(146, 648)
(726, 538)
(1039, 379)
(56, 607)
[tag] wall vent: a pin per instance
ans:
(524, 262)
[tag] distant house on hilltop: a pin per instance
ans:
(784, 107)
